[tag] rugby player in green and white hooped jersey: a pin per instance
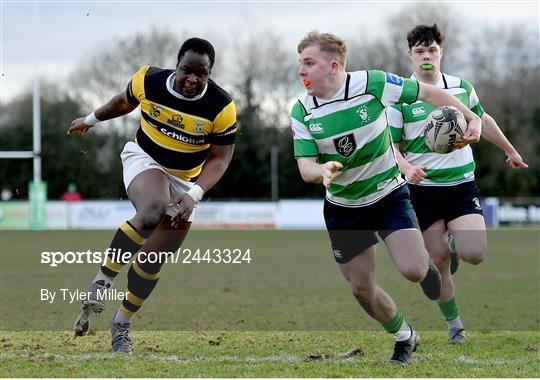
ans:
(443, 192)
(341, 140)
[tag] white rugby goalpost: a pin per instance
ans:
(37, 189)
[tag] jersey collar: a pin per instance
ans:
(441, 83)
(170, 88)
(341, 94)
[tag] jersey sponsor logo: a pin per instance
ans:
(316, 128)
(345, 145)
(177, 121)
(418, 111)
(394, 79)
(155, 111)
(362, 113)
(183, 138)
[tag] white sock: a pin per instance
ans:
(121, 318)
(104, 277)
(404, 333)
(454, 324)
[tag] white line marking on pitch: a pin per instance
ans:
(467, 360)
(165, 358)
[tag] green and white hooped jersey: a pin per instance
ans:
(352, 128)
(407, 124)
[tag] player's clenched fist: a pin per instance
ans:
(329, 171)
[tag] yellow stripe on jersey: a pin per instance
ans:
(186, 175)
(225, 119)
(137, 83)
(182, 121)
(168, 142)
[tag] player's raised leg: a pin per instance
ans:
(150, 208)
(360, 273)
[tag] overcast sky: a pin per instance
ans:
(69, 31)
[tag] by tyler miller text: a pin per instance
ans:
(71, 296)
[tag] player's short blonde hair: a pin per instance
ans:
(327, 42)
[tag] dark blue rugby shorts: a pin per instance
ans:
(352, 230)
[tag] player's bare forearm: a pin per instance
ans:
(492, 133)
(119, 105)
(438, 98)
(312, 172)
(309, 170)
(403, 164)
(415, 174)
(215, 166)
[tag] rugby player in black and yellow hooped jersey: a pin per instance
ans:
(182, 148)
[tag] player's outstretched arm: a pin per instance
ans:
(213, 169)
(119, 105)
(492, 133)
(438, 98)
(312, 172)
(415, 174)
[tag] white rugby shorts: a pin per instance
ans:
(135, 161)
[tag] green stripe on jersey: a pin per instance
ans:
(417, 145)
(303, 148)
(411, 89)
(477, 109)
(363, 188)
(368, 153)
(298, 112)
(396, 134)
(450, 174)
(375, 83)
(346, 120)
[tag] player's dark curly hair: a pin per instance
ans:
(200, 46)
(424, 35)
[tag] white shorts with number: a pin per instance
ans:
(135, 161)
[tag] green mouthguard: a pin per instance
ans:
(426, 66)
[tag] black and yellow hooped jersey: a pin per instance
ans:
(176, 131)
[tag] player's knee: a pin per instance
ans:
(413, 273)
(363, 293)
(153, 214)
(473, 256)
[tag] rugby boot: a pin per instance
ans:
(92, 303)
(403, 350)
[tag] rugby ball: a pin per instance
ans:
(443, 127)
